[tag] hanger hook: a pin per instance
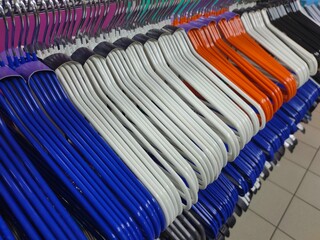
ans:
(106, 4)
(2, 12)
(45, 7)
(83, 18)
(13, 25)
(56, 29)
(50, 2)
(25, 11)
(96, 7)
(33, 5)
(65, 5)
(73, 21)
(18, 9)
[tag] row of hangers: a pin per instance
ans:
(131, 134)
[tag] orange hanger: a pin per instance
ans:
(236, 35)
(199, 39)
(259, 79)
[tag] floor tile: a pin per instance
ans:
(301, 221)
(251, 227)
(315, 165)
(311, 137)
(271, 202)
(309, 189)
(279, 235)
(287, 175)
(302, 154)
(315, 119)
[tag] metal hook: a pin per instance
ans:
(53, 23)
(2, 12)
(65, 5)
(18, 9)
(88, 24)
(73, 21)
(115, 16)
(45, 7)
(106, 4)
(33, 5)
(130, 21)
(97, 8)
(123, 14)
(83, 18)
(56, 30)
(137, 14)
(13, 25)
(24, 9)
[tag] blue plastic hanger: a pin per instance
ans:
(54, 159)
(67, 129)
(5, 232)
(34, 179)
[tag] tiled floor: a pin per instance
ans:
(288, 205)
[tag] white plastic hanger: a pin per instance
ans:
(228, 86)
(205, 82)
(158, 62)
(156, 84)
(288, 57)
(182, 35)
(99, 73)
(183, 42)
(312, 12)
(159, 119)
(77, 85)
(304, 54)
(299, 7)
(255, 27)
(199, 125)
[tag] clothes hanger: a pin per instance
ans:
(5, 231)
(67, 127)
(65, 182)
(35, 122)
(190, 172)
(305, 55)
(163, 94)
(164, 49)
(268, 40)
(286, 24)
(253, 118)
(38, 89)
(35, 196)
(158, 62)
(28, 169)
(235, 34)
(34, 86)
(222, 124)
(267, 108)
(126, 153)
(99, 195)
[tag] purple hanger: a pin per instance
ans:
(187, 27)
(43, 29)
(7, 72)
(26, 70)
